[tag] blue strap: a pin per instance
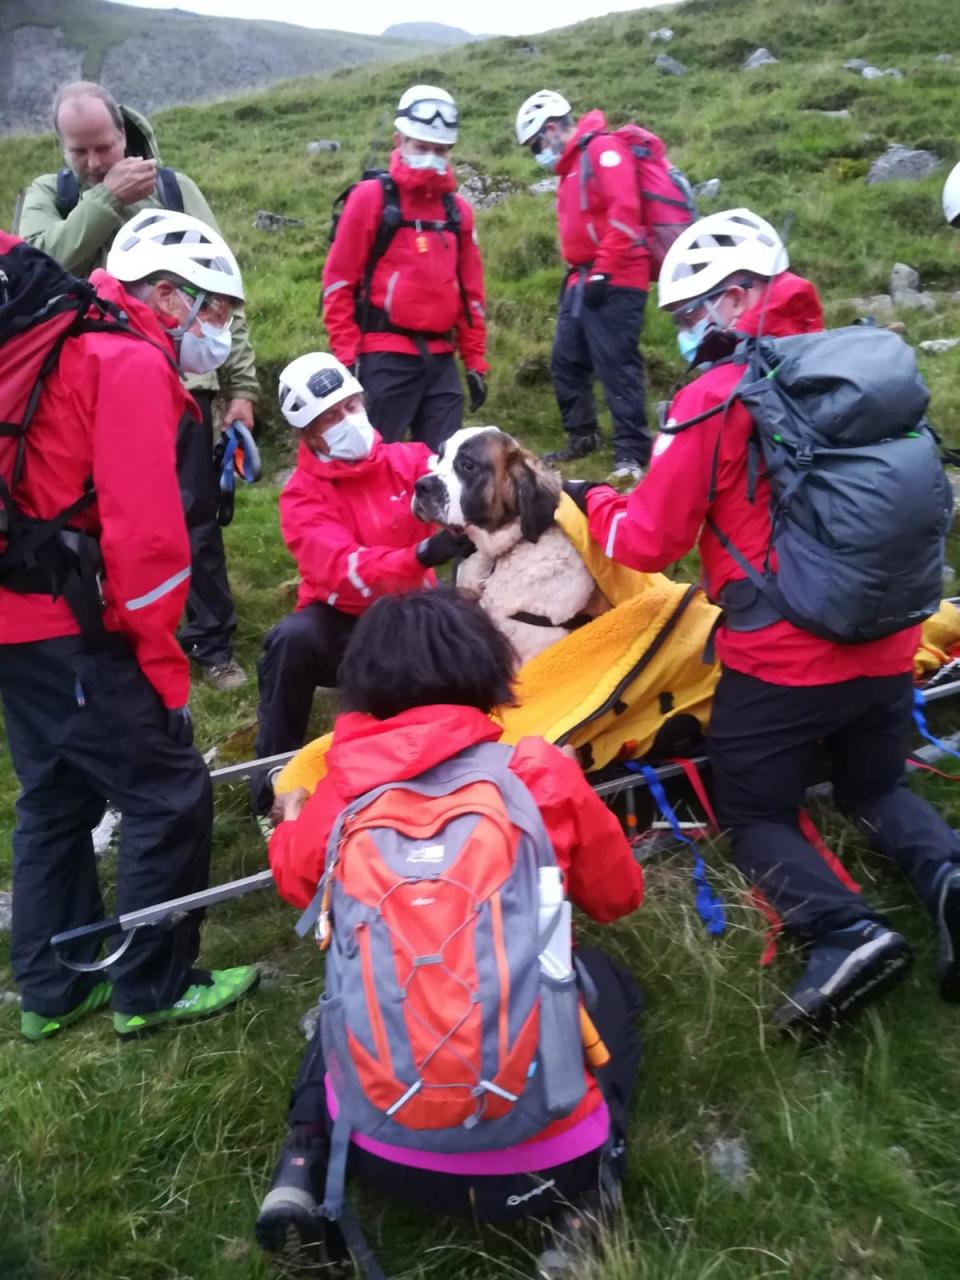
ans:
(237, 437)
(336, 1166)
(920, 720)
(709, 906)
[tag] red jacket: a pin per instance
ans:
(110, 410)
(417, 281)
(350, 528)
(664, 516)
(608, 234)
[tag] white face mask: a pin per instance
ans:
(428, 161)
(349, 441)
(205, 353)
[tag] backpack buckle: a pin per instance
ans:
(804, 457)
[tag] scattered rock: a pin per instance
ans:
(708, 190)
(321, 145)
(282, 476)
(664, 35)
(482, 191)
(901, 164)
(106, 832)
(855, 64)
(6, 912)
(669, 66)
(891, 73)
(842, 114)
(729, 1158)
(939, 346)
(528, 50)
(8, 997)
(308, 1023)
(902, 279)
(879, 306)
(944, 58)
(759, 58)
(270, 975)
(949, 575)
(916, 300)
(871, 73)
(545, 187)
(264, 221)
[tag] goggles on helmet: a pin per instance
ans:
(429, 110)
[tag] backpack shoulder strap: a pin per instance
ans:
(168, 189)
(390, 219)
(68, 192)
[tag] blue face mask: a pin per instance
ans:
(350, 440)
(548, 157)
(689, 340)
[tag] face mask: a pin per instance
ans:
(205, 353)
(428, 161)
(689, 340)
(350, 440)
(548, 157)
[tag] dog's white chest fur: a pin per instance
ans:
(509, 575)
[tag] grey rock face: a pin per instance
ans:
(482, 191)
(759, 58)
(708, 190)
(264, 221)
(33, 60)
(322, 145)
(669, 66)
(901, 164)
(545, 187)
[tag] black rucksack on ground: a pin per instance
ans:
(860, 503)
(391, 220)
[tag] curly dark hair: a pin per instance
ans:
(422, 648)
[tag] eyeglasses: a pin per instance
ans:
(429, 110)
(219, 310)
(684, 317)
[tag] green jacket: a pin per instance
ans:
(80, 243)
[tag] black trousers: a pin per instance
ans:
(300, 654)
(502, 1197)
(602, 343)
(409, 394)
(761, 742)
(210, 620)
(85, 727)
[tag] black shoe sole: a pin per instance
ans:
(876, 976)
(286, 1229)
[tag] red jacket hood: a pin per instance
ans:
(592, 122)
(141, 317)
(337, 468)
(791, 305)
(367, 752)
(425, 182)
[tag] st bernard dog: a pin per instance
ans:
(525, 572)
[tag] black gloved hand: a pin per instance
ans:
(578, 490)
(596, 290)
(443, 546)
(180, 726)
(477, 386)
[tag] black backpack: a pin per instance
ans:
(391, 220)
(68, 191)
(860, 504)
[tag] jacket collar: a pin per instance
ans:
(592, 122)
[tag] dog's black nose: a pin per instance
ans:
(429, 486)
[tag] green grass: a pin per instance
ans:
(148, 1160)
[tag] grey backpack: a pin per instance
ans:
(860, 503)
(443, 1029)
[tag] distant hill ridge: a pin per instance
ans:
(46, 42)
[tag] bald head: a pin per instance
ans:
(90, 127)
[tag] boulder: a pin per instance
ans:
(759, 58)
(871, 73)
(321, 145)
(855, 64)
(545, 187)
(891, 73)
(482, 191)
(662, 35)
(901, 164)
(902, 279)
(264, 221)
(668, 66)
(944, 58)
(708, 190)
(939, 346)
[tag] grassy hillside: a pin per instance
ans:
(148, 1160)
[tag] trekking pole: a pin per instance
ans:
(161, 914)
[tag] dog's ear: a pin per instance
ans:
(538, 492)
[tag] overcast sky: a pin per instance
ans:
(495, 17)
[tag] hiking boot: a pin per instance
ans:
(572, 1238)
(224, 676)
(576, 447)
(846, 969)
(626, 474)
(948, 926)
(36, 1026)
(290, 1219)
(211, 991)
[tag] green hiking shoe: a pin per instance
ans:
(36, 1026)
(214, 991)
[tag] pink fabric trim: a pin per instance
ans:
(529, 1157)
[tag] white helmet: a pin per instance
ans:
(313, 383)
(428, 114)
(708, 252)
(540, 107)
(951, 197)
(162, 240)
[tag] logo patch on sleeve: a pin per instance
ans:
(610, 159)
